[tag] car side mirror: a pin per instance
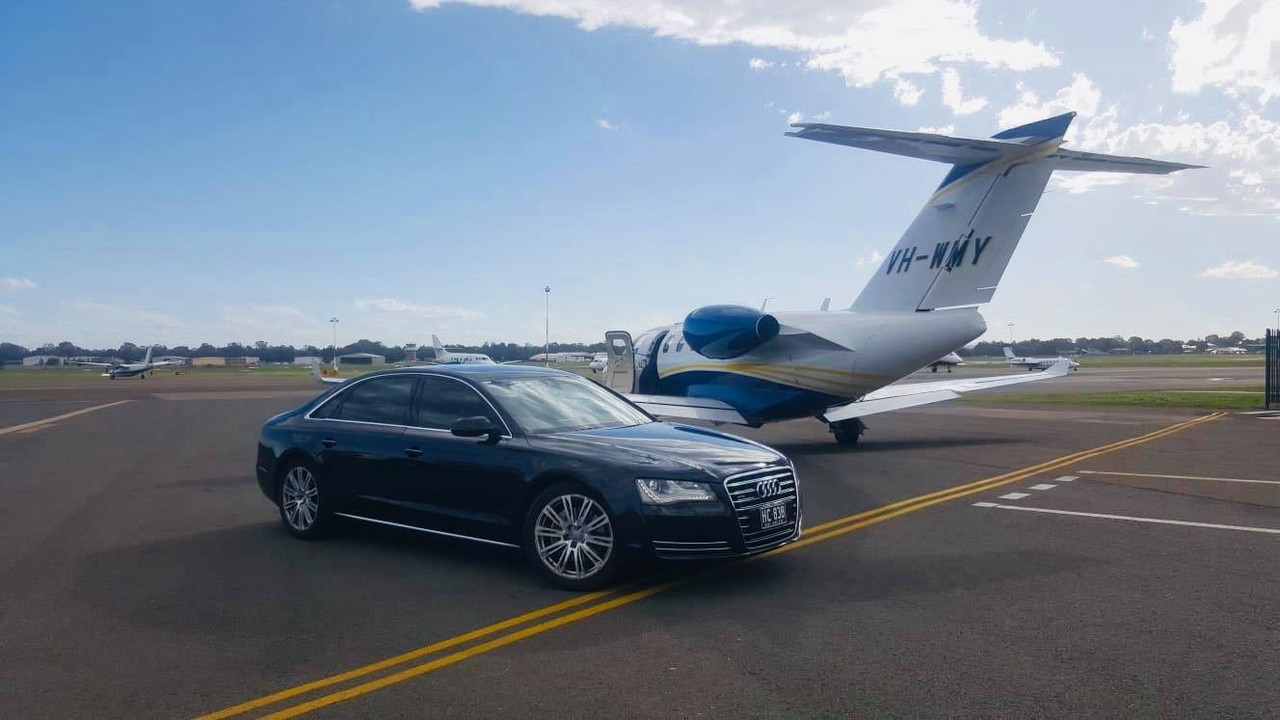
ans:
(477, 426)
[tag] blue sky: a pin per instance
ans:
(236, 171)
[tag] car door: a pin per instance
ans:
(361, 437)
(458, 485)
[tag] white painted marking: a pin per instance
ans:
(1015, 496)
(1066, 478)
(986, 504)
(1043, 486)
(1129, 518)
(1180, 477)
(56, 418)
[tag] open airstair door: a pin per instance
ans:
(620, 367)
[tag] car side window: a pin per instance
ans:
(443, 401)
(380, 400)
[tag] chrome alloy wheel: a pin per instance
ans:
(300, 499)
(573, 536)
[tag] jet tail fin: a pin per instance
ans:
(147, 360)
(1008, 352)
(957, 249)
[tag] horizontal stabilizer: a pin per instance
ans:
(691, 408)
(897, 397)
(925, 146)
(1097, 162)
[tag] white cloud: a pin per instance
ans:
(12, 283)
(1243, 155)
(1241, 269)
(391, 306)
(6, 310)
(89, 308)
(1233, 45)
(760, 64)
(1122, 261)
(794, 118)
(869, 260)
(907, 92)
(605, 124)
(939, 130)
(953, 96)
(866, 41)
(1082, 96)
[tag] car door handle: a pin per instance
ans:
(328, 442)
(413, 452)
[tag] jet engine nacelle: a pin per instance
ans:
(722, 332)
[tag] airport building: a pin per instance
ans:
(35, 360)
(306, 359)
(362, 359)
(224, 361)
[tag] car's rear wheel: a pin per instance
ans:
(570, 538)
(302, 506)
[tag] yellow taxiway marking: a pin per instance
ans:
(39, 423)
(610, 600)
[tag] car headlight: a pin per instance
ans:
(666, 492)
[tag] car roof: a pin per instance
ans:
(476, 371)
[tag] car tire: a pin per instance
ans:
(301, 501)
(570, 537)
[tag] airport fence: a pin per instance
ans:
(1273, 369)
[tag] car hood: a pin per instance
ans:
(664, 447)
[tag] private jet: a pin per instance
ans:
(1035, 363)
(737, 364)
(444, 357)
(128, 370)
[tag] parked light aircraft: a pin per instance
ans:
(444, 357)
(125, 370)
(948, 361)
(1035, 363)
(737, 364)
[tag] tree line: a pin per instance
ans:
(1103, 345)
(266, 352)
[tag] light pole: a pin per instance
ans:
(546, 348)
(334, 322)
(1277, 312)
(1011, 336)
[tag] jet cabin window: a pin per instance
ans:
(380, 400)
(443, 401)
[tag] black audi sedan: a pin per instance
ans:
(524, 457)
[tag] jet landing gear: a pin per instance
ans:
(847, 432)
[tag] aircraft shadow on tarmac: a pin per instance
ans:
(827, 447)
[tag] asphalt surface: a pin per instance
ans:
(144, 575)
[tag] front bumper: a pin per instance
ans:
(733, 528)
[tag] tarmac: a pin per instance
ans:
(964, 560)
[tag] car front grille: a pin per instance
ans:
(752, 490)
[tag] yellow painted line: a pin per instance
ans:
(56, 418)
(404, 657)
(469, 652)
(35, 429)
(1016, 475)
(827, 531)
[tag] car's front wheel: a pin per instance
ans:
(570, 537)
(302, 506)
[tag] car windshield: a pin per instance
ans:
(558, 404)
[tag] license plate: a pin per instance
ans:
(773, 516)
